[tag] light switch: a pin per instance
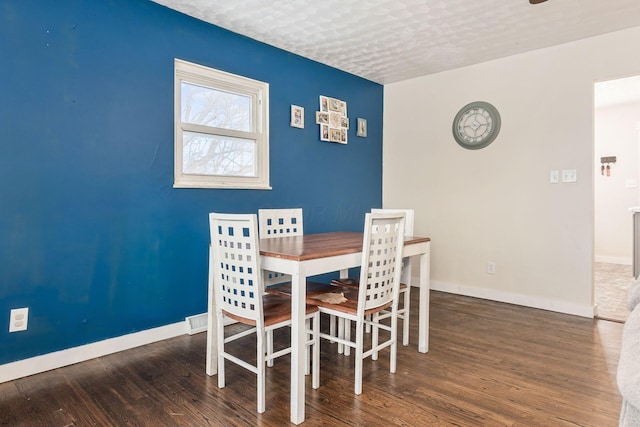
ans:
(554, 177)
(631, 183)
(569, 175)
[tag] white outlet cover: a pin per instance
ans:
(19, 319)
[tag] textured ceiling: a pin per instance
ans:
(392, 40)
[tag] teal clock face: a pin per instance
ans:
(476, 125)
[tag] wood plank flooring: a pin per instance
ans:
(489, 364)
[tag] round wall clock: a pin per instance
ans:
(476, 125)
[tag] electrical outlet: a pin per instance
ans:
(19, 319)
(491, 267)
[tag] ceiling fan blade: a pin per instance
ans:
(537, 1)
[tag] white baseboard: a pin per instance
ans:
(46, 362)
(58, 359)
(510, 298)
(613, 260)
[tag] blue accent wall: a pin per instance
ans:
(94, 239)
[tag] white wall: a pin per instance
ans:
(616, 134)
(496, 204)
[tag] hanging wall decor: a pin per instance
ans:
(333, 120)
(606, 164)
(362, 128)
(297, 116)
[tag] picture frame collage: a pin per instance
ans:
(333, 120)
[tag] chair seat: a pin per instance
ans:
(403, 312)
(349, 306)
(313, 288)
(354, 282)
(276, 310)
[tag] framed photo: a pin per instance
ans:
(344, 122)
(324, 133)
(322, 118)
(335, 120)
(335, 105)
(362, 127)
(343, 108)
(343, 136)
(297, 116)
(324, 104)
(334, 135)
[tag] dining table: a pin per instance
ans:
(314, 254)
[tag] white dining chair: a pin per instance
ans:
(238, 290)
(277, 223)
(378, 291)
(405, 283)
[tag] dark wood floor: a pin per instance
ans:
(489, 364)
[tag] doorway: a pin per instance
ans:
(616, 191)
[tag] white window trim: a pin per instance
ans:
(209, 77)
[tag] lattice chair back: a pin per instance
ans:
(408, 218)
(237, 278)
(381, 260)
(405, 290)
(280, 222)
(408, 231)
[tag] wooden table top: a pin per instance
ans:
(321, 245)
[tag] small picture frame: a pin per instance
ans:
(324, 133)
(335, 135)
(322, 118)
(324, 104)
(343, 136)
(335, 105)
(297, 116)
(344, 122)
(362, 128)
(343, 108)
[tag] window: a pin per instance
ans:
(221, 129)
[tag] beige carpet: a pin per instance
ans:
(611, 283)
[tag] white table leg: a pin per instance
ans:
(212, 330)
(298, 339)
(423, 317)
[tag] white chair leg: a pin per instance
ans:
(374, 336)
(315, 379)
(307, 352)
(260, 364)
(220, 334)
(270, 347)
(394, 345)
(405, 317)
(332, 327)
(347, 336)
(340, 334)
(359, 351)
(367, 326)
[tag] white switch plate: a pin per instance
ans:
(19, 319)
(491, 267)
(631, 183)
(554, 177)
(569, 175)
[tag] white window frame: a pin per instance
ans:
(258, 91)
